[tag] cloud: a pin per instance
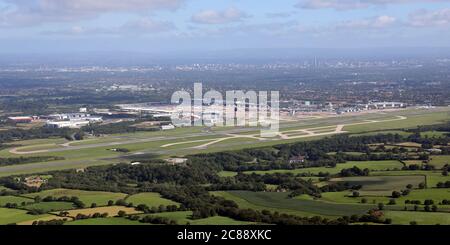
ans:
(427, 18)
(219, 17)
(33, 12)
(369, 23)
(141, 27)
(355, 4)
(280, 14)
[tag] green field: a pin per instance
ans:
(11, 216)
(184, 217)
(371, 165)
(434, 134)
(104, 221)
(422, 218)
(280, 202)
(432, 177)
(14, 199)
(150, 199)
(87, 197)
(382, 183)
(50, 206)
(439, 161)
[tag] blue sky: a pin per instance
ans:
(172, 25)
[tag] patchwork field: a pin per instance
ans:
(382, 183)
(371, 165)
(281, 203)
(422, 218)
(111, 210)
(150, 199)
(10, 216)
(87, 197)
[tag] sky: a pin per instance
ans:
(207, 25)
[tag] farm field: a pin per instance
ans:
(371, 165)
(111, 210)
(105, 221)
(14, 199)
(432, 177)
(10, 216)
(440, 161)
(281, 202)
(422, 218)
(49, 206)
(382, 183)
(149, 199)
(87, 197)
(183, 218)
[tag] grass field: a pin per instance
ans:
(50, 206)
(371, 165)
(150, 199)
(183, 218)
(111, 210)
(87, 197)
(434, 134)
(432, 177)
(11, 216)
(105, 221)
(422, 218)
(382, 183)
(14, 199)
(281, 203)
(440, 161)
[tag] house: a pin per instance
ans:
(297, 159)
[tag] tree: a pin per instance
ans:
(422, 185)
(364, 200)
(392, 202)
(434, 208)
(409, 186)
(110, 203)
(413, 223)
(396, 194)
(380, 206)
(355, 194)
(121, 213)
(94, 205)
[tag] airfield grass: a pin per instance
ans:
(422, 218)
(12, 216)
(150, 199)
(280, 202)
(49, 206)
(371, 165)
(411, 122)
(14, 199)
(87, 197)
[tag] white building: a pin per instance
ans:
(167, 127)
(67, 124)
